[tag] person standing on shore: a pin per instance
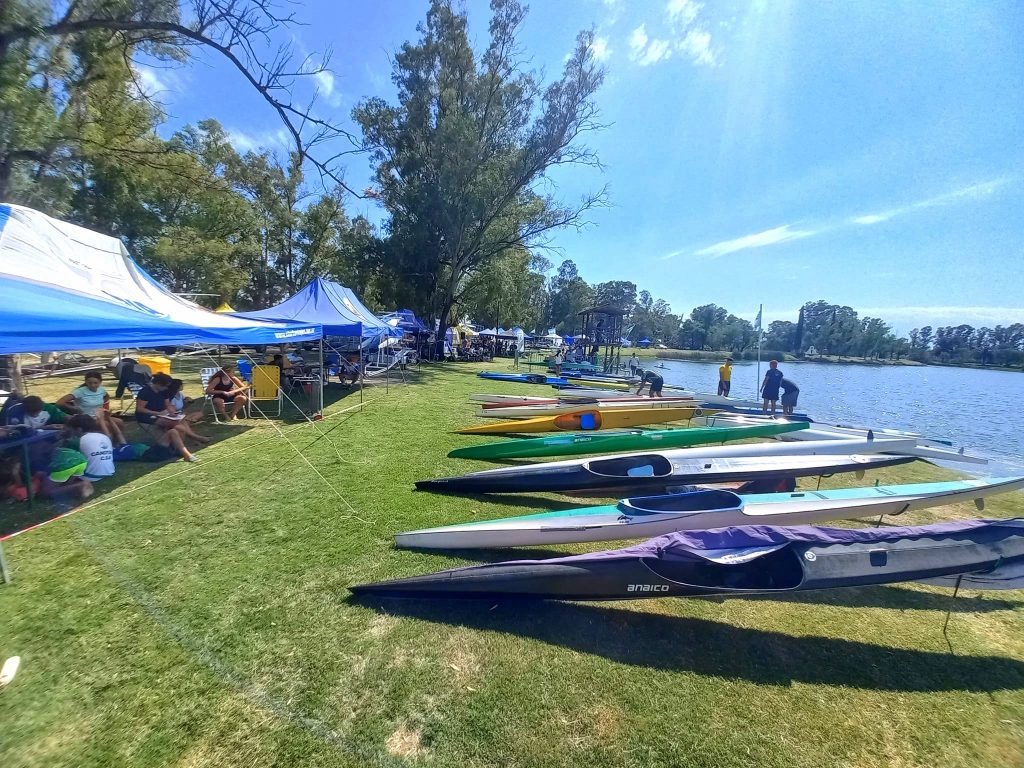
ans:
(557, 362)
(790, 393)
(634, 364)
(770, 386)
(725, 377)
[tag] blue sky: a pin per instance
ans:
(757, 152)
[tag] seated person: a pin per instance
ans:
(348, 368)
(152, 407)
(67, 475)
(92, 399)
(93, 444)
(12, 479)
(178, 404)
(224, 388)
(36, 415)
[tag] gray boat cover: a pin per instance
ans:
(742, 544)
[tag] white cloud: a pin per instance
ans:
(156, 83)
(969, 193)
(682, 12)
(600, 49)
(697, 47)
(656, 51)
(645, 51)
(325, 87)
(781, 234)
(245, 141)
(637, 41)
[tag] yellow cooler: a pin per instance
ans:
(156, 364)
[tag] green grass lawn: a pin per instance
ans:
(198, 615)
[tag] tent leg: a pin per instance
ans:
(320, 410)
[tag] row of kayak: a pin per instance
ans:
(708, 540)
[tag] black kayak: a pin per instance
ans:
(984, 554)
(647, 471)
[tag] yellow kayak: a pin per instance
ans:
(588, 419)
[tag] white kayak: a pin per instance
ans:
(512, 399)
(651, 516)
(925, 451)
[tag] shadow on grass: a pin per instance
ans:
(716, 649)
(896, 598)
(15, 517)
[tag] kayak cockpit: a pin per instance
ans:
(780, 570)
(682, 503)
(640, 465)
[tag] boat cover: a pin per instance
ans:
(745, 543)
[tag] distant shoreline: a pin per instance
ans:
(698, 356)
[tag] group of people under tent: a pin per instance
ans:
(772, 385)
(87, 440)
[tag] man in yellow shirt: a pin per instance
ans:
(725, 377)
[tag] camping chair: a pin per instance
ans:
(204, 377)
(266, 385)
(245, 370)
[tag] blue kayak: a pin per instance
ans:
(524, 378)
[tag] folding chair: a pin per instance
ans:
(204, 377)
(266, 386)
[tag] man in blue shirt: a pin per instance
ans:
(770, 386)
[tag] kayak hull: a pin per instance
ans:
(587, 420)
(655, 516)
(628, 472)
(611, 442)
(742, 561)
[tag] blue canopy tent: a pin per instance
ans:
(335, 308)
(64, 287)
(405, 320)
(332, 306)
(644, 343)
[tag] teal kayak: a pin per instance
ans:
(616, 442)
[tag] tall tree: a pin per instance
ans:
(461, 156)
(53, 54)
(617, 293)
(568, 295)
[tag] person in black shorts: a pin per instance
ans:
(790, 393)
(656, 382)
(224, 388)
(770, 386)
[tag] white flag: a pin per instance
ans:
(757, 320)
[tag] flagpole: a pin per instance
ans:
(757, 384)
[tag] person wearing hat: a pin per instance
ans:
(770, 386)
(725, 377)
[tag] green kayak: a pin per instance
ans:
(615, 442)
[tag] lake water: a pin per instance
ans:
(979, 409)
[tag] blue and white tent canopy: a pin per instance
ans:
(66, 287)
(330, 305)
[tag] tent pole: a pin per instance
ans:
(321, 410)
